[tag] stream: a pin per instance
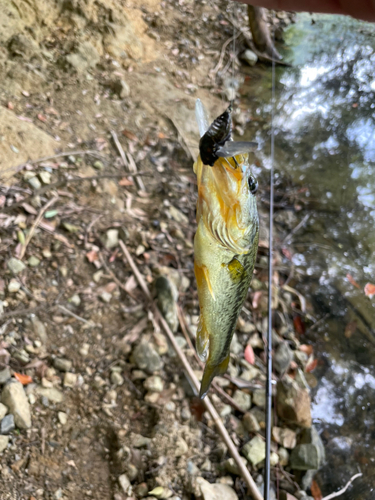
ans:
(325, 142)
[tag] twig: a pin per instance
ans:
(89, 227)
(35, 225)
(116, 280)
(79, 318)
(297, 228)
(191, 375)
(133, 168)
(342, 491)
(24, 312)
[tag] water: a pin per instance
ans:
(325, 141)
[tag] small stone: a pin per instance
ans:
(45, 177)
(63, 417)
(245, 326)
(152, 397)
(14, 397)
(249, 57)
(14, 286)
(22, 356)
(138, 375)
(121, 88)
(274, 459)
(64, 271)
(141, 490)
(311, 436)
(16, 266)
(139, 441)
(286, 437)
(4, 441)
(125, 484)
(250, 422)
(39, 329)
(3, 411)
(116, 378)
(7, 424)
(304, 457)
(75, 300)
(62, 364)
(242, 399)
(232, 467)
(70, 379)
(146, 357)
(161, 343)
(167, 296)
(47, 254)
(154, 383)
(106, 297)
(84, 350)
(250, 373)
(283, 357)
(97, 276)
(185, 413)
(225, 411)
(259, 398)
(111, 240)
(98, 165)
(255, 450)
(216, 491)
(52, 394)
(5, 375)
(283, 456)
(293, 403)
(235, 346)
(181, 448)
(33, 261)
(170, 406)
(35, 182)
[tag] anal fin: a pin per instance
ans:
(209, 373)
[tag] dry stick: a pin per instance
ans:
(131, 167)
(191, 375)
(342, 491)
(79, 318)
(34, 226)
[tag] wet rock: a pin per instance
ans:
(14, 286)
(259, 398)
(215, 491)
(86, 56)
(14, 397)
(249, 57)
(232, 467)
(154, 383)
(250, 422)
(167, 296)
(125, 484)
(285, 437)
(3, 411)
(111, 239)
(7, 424)
(62, 364)
(283, 357)
(311, 436)
(4, 441)
(283, 456)
(16, 266)
(4, 375)
(255, 450)
(293, 403)
(242, 399)
(146, 357)
(304, 457)
(52, 394)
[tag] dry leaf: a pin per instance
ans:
(249, 354)
(370, 290)
(299, 325)
(315, 490)
(24, 379)
(42, 118)
(351, 280)
(131, 284)
(92, 256)
(130, 135)
(350, 328)
(311, 366)
(125, 182)
(308, 349)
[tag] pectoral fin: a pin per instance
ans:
(202, 276)
(209, 373)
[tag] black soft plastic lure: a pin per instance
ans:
(217, 141)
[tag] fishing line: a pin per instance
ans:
(267, 471)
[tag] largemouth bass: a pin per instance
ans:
(225, 244)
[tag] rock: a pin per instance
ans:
(232, 467)
(106, 297)
(16, 266)
(45, 177)
(250, 422)
(75, 300)
(4, 375)
(235, 345)
(304, 457)
(14, 397)
(3, 411)
(245, 326)
(139, 441)
(21, 355)
(185, 413)
(250, 373)
(146, 357)
(86, 56)
(249, 57)
(63, 417)
(111, 239)
(116, 378)
(121, 88)
(283, 456)
(293, 403)
(39, 329)
(283, 357)
(242, 399)
(154, 383)
(167, 296)
(14, 286)
(274, 459)
(35, 182)
(286, 437)
(284, 495)
(7, 424)
(181, 447)
(125, 484)
(216, 491)
(255, 450)
(70, 379)
(62, 364)
(259, 398)
(4, 441)
(52, 394)
(311, 436)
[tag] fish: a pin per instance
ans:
(225, 243)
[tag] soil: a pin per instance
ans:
(74, 72)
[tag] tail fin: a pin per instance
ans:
(209, 373)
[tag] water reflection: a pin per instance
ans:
(325, 140)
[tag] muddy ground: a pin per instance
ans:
(112, 414)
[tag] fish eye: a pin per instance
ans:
(253, 184)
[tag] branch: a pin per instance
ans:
(192, 377)
(342, 491)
